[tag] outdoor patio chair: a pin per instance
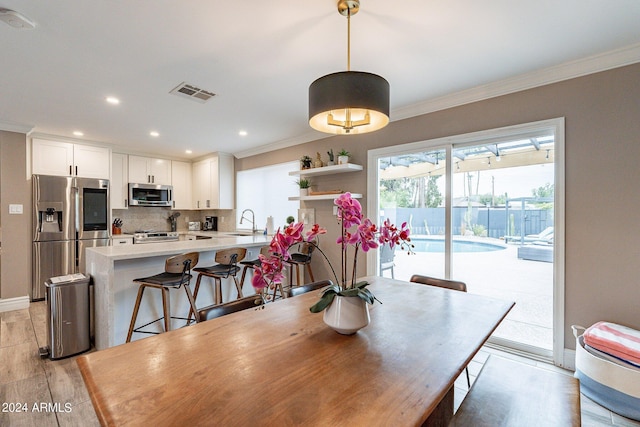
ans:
(386, 259)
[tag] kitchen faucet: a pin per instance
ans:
(253, 220)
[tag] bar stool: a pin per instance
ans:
(255, 263)
(226, 267)
(302, 258)
(177, 273)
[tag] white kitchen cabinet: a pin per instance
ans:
(201, 184)
(181, 182)
(68, 159)
(213, 182)
(147, 170)
(119, 181)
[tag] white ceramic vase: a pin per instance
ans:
(343, 160)
(304, 192)
(347, 315)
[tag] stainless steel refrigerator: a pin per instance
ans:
(69, 215)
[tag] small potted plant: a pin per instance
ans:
(343, 157)
(305, 162)
(331, 158)
(304, 185)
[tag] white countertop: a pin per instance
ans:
(219, 240)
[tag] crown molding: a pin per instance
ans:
(15, 127)
(569, 70)
(63, 138)
(285, 143)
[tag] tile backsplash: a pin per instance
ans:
(152, 218)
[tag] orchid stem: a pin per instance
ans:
(343, 255)
(355, 266)
(326, 258)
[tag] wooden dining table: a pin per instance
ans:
(279, 364)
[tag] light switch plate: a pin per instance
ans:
(307, 216)
(15, 209)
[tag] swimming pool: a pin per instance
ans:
(436, 245)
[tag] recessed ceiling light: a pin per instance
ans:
(78, 133)
(113, 100)
(243, 133)
(154, 133)
(16, 19)
(188, 151)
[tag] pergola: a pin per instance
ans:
(485, 156)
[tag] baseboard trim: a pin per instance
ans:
(570, 359)
(10, 304)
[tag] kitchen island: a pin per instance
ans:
(113, 269)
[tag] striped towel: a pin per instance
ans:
(617, 340)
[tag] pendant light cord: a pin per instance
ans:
(349, 39)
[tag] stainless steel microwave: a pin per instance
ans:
(150, 195)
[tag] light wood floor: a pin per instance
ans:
(25, 378)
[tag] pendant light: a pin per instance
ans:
(349, 102)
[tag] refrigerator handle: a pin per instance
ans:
(75, 194)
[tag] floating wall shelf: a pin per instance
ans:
(324, 197)
(327, 170)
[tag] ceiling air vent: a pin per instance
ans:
(192, 92)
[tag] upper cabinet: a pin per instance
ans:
(213, 182)
(67, 159)
(181, 182)
(146, 170)
(119, 189)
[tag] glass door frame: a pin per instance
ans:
(475, 138)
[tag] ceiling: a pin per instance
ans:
(259, 58)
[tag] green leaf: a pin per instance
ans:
(361, 285)
(351, 292)
(325, 300)
(366, 295)
(329, 293)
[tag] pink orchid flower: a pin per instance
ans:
(349, 210)
(315, 231)
(294, 232)
(366, 236)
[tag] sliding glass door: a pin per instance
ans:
(503, 222)
(486, 209)
(410, 190)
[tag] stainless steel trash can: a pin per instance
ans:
(68, 330)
